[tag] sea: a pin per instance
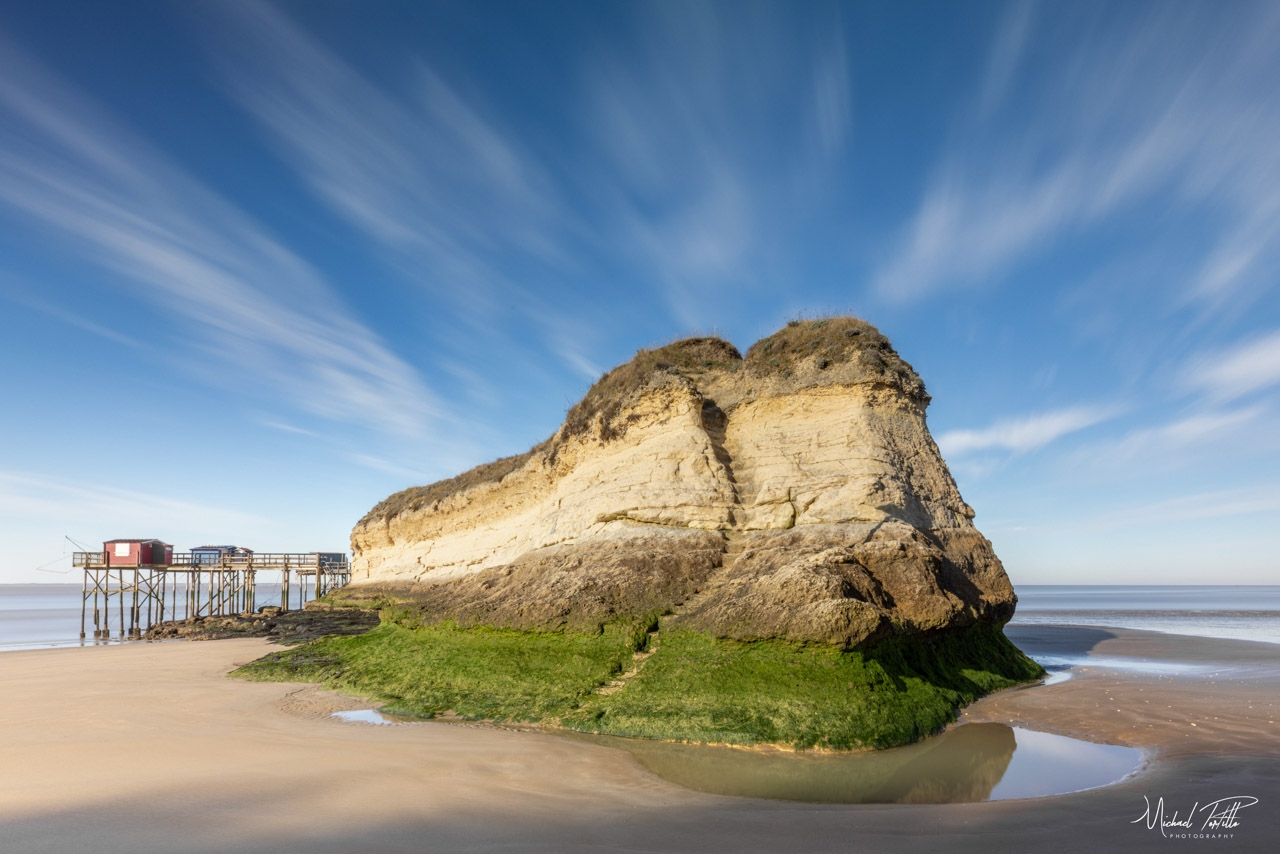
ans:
(1236, 612)
(48, 615)
(34, 616)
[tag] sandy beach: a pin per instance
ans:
(147, 747)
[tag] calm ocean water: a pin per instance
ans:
(1237, 612)
(47, 615)
(43, 615)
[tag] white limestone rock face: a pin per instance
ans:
(792, 494)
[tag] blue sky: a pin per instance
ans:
(262, 265)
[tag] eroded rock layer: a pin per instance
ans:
(795, 493)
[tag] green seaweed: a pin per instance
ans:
(705, 689)
(480, 673)
(693, 688)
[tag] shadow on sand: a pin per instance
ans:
(1056, 641)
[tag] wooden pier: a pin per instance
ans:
(134, 598)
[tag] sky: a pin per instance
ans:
(262, 265)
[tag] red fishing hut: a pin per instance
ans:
(138, 553)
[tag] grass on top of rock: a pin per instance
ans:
(610, 393)
(836, 338)
(693, 688)
(828, 341)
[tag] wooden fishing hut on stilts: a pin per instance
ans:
(134, 584)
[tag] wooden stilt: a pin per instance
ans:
(84, 602)
(133, 610)
(97, 629)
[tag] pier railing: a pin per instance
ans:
(328, 561)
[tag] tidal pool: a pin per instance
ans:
(973, 762)
(375, 717)
(1054, 675)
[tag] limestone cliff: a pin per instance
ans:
(792, 493)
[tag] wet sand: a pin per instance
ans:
(146, 747)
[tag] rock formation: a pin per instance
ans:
(793, 493)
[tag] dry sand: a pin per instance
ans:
(146, 747)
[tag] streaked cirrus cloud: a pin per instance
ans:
(1233, 372)
(1025, 433)
(1157, 106)
(251, 311)
(659, 165)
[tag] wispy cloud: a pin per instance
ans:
(1237, 371)
(1187, 440)
(1196, 428)
(289, 428)
(19, 294)
(378, 464)
(963, 233)
(245, 300)
(1165, 105)
(833, 95)
(425, 173)
(581, 363)
(1216, 504)
(39, 497)
(1023, 434)
(659, 165)
(1006, 52)
(690, 189)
